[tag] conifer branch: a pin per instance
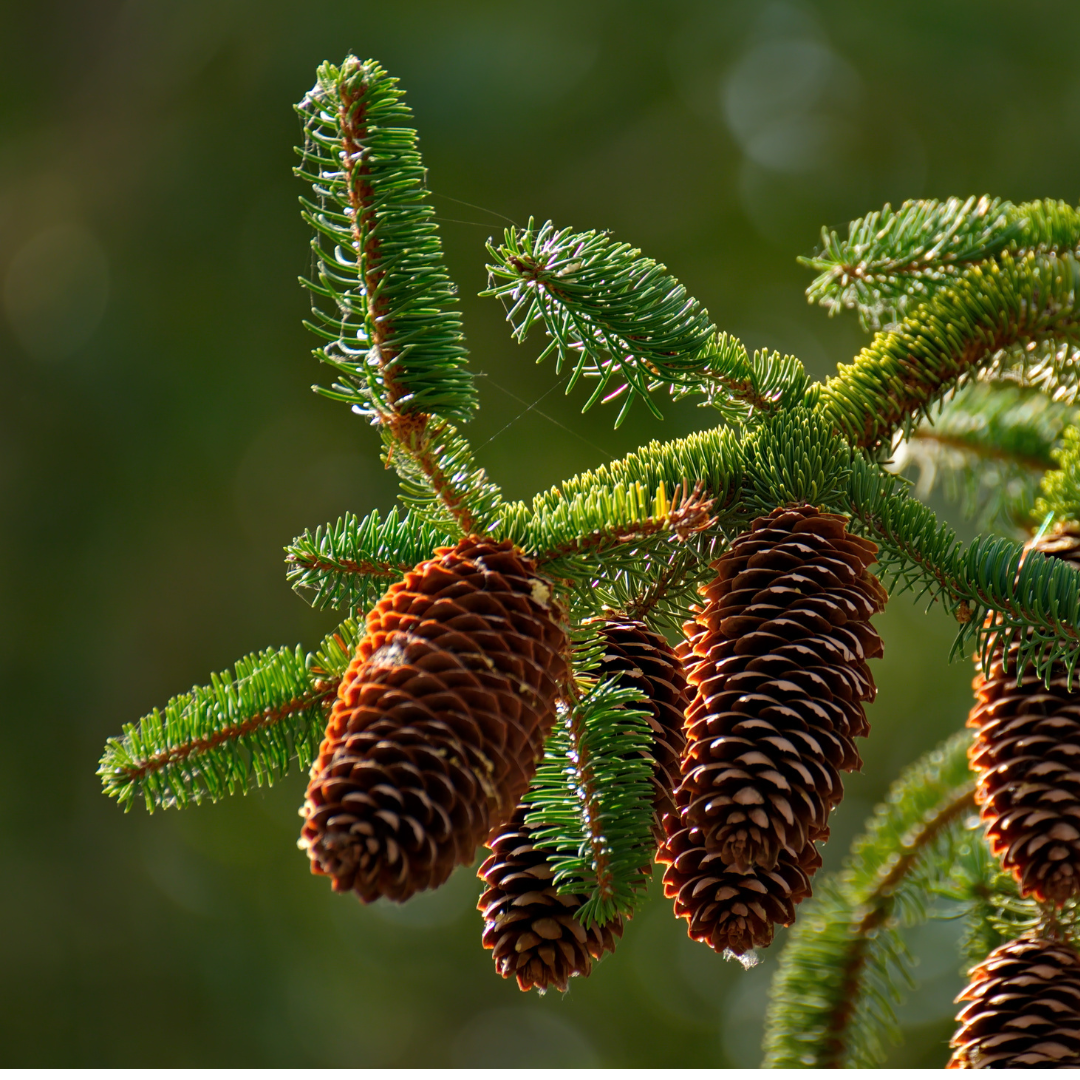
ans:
(247, 725)
(610, 312)
(351, 563)
(1039, 600)
(744, 389)
(833, 994)
(992, 307)
(891, 259)
(591, 798)
(383, 299)
(989, 445)
(440, 480)
(795, 457)
(1061, 486)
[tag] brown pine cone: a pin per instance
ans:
(777, 659)
(534, 932)
(644, 660)
(1024, 1011)
(728, 909)
(439, 721)
(1027, 757)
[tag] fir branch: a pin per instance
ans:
(247, 725)
(610, 312)
(892, 259)
(988, 445)
(833, 994)
(1060, 496)
(795, 457)
(441, 483)
(569, 511)
(351, 563)
(591, 798)
(991, 308)
(1039, 601)
(383, 299)
(742, 388)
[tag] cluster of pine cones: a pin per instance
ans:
(1023, 1006)
(441, 719)
(442, 715)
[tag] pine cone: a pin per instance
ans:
(439, 721)
(778, 662)
(1027, 756)
(1024, 1011)
(535, 932)
(726, 908)
(644, 660)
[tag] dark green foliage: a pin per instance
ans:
(383, 301)
(351, 563)
(988, 446)
(892, 257)
(834, 993)
(591, 797)
(992, 307)
(247, 725)
(609, 311)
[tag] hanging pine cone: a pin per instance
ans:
(1026, 753)
(439, 721)
(728, 909)
(1024, 1010)
(644, 660)
(534, 932)
(778, 661)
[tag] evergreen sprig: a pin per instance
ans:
(1060, 498)
(591, 797)
(833, 996)
(383, 301)
(1039, 601)
(988, 446)
(744, 388)
(995, 309)
(247, 726)
(796, 457)
(441, 483)
(350, 563)
(892, 259)
(611, 313)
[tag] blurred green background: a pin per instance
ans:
(159, 444)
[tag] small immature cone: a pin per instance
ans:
(439, 721)
(777, 660)
(728, 909)
(533, 932)
(1027, 756)
(1023, 1011)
